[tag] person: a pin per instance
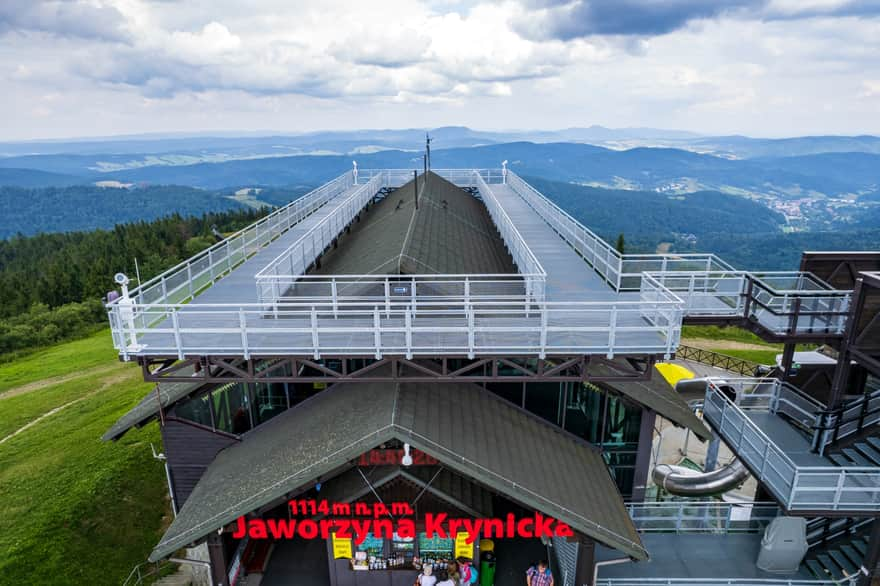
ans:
(453, 572)
(443, 579)
(426, 578)
(539, 575)
(468, 572)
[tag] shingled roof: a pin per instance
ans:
(451, 232)
(655, 394)
(472, 431)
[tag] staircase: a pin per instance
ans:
(865, 452)
(841, 557)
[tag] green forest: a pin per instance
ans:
(51, 285)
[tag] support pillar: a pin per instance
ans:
(643, 456)
(586, 562)
(217, 559)
(712, 454)
(870, 570)
(841, 372)
(787, 360)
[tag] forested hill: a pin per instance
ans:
(51, 284)
(29, 211)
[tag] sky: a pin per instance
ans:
(76, 68)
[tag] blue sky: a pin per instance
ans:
(756, 67)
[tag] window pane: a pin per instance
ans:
(231, 408)
(197, 409)
(270, 400)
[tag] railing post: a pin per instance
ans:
(793, 491)
(387, 299)
(335, 298)
(408, 326)
(377, 334)
(242, 323)
(315, 343)
(841, 480)
(470, 318)
(543, 352)
(612, 329)
(177, 342)
(189, 280)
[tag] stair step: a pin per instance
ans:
(816, 568)
(833, 569)
(839, 459)
(874, 441)
(856, 457)
(861, 546)
(871, 453)
(843, 562)
(853, 554)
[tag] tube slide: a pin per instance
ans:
(682, 481)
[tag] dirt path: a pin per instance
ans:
(56, 380)
(709, 344)
(107, 383)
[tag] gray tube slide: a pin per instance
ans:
(682, 481)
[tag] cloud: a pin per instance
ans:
(64, 18)
(570, 19)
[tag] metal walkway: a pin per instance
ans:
(569, 277)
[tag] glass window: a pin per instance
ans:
(403, 548)
(270, 400)
(197, 409)
(436, 548)
(231, 408)
(545, 400)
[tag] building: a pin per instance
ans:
(454, 342)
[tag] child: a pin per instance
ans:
(425, 578)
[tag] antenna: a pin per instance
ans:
(428, 140)
(416, 187)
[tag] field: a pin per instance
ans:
(731, 341)
(76, 510)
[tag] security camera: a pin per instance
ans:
(120, 279)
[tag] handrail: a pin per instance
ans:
(689, 516)
(855, 488)
(710, 358)
(834, 423)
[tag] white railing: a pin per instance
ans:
(598, 253)
(772, 299)
(302, 253)
(392, 178)
(804, 488)
(430, 328)
(683, 517)
(186, 280)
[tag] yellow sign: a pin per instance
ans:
(463, 549)
(341, 547)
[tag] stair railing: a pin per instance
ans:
(846, 420)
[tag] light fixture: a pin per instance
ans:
(407, 458)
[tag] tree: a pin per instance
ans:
(621, 243)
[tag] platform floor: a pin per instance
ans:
(694, 556)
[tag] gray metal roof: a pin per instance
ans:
(477, 434)
(655, 394)
(164, 394)
(451, 232)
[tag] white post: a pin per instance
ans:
(314, 319)
(242, 323)
(377, 334)
(612, 327)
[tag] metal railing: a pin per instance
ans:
(300, 255)
(150, 571)
(805, 488)
(184, 281)
(392, 178)
(283, 280)
(849, 419)
(358, 329)
(710, 358)
(604, 259)
(785, 303)
(687, 516)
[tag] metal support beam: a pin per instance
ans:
(643, 455)
(217, 559)
(787, 361)
(586, 562)
(870, 570)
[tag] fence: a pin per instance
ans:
(805, 488)
(710, 358)
(701, 517)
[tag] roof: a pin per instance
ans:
(164, 395)
(451, 232)
(455, 490)
(655, 394)
(478, 434)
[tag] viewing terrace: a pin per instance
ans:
(262, 293)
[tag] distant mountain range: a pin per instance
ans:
(849, 175)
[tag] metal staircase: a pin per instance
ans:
(837, 547)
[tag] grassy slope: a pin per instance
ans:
(730, 341)
(76, 510)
